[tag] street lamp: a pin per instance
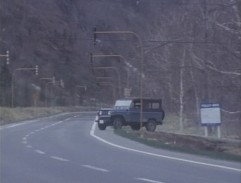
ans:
(35, 96)
(103, 78)
(36, 70)
(95, 32)
(79, 86)
(55, 83)
(113, 56)
(51, 80)
(60, 83)
(80, 97)
(6, 55)
(118, 74)
(20, 69)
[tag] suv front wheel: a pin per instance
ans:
(151, 125)
(117, 123)
(101, 126)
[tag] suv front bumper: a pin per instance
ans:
(103, 120)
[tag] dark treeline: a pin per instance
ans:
(191, 52)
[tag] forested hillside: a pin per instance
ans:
(191, 52)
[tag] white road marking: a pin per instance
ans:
(43, 118)
(24, 139)
(61, 121)
(92, 133)
(12, 126)
(59, 158)
(148, 180)
(15, 125)
(95, 168)
(39, 151)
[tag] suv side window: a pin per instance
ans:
(148, 105)
(137, 105)
(154, 105)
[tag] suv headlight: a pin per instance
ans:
(100, 113)
(109, 113)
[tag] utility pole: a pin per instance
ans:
(51, 80)
(92, 56)
(206, 76)
(95, 33)
(116, 71)
(21, 69)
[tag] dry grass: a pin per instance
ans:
(11, 115)
(171, 124)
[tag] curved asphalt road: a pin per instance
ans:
(68, 149)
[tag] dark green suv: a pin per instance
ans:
(127, 112)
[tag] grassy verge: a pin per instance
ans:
(136, 136)
(192, 126)
(13, 115)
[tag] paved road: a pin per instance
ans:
(68, 149)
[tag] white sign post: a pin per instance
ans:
(211, 116)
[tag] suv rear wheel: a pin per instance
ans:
(117, 123)
(151, 125)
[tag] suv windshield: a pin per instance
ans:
(122, 104)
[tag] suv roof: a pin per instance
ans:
(138, 98)
(144, 99)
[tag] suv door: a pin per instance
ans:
(134, 114)
(153, 110)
